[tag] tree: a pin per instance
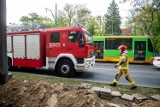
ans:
(130, 23)
(147, 13)
(156, 25)
(83, 14)
(34, 20)
(100, 25)
(95, 25)
(92, 26)
(113, 20)
(62, 22)
(68, 13)
(25, 20)
(73, 14)
(147, 18)
(156, 44)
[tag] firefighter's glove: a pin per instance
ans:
(115, 66)
(121, 63)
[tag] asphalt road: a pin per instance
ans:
(144, 75)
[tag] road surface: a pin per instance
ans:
(144, 75)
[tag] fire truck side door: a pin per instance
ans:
(53, 44)
(75, 45)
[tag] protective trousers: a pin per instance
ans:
(126, 75)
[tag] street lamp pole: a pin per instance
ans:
(56, 14)
(54, 17)
(50, 11)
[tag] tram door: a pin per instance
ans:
(99, 45)
(140, 50)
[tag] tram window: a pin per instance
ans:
(150, 46)
(114, 43)
(111, 43)
(127, 42)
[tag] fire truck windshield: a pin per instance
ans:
(88, 38)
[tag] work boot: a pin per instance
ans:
(133, 87)
(113, 84)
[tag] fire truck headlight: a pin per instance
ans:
(88, 62)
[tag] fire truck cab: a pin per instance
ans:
(65, 50)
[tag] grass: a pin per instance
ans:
(123, 89)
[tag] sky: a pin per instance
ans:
(18, 8)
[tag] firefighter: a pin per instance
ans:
(123, 68)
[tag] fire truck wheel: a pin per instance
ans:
(65, 68)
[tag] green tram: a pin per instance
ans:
(140, 49)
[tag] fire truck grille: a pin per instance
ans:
(80, 60)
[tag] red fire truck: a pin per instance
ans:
(65, 50)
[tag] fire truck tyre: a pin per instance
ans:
(65, 68)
